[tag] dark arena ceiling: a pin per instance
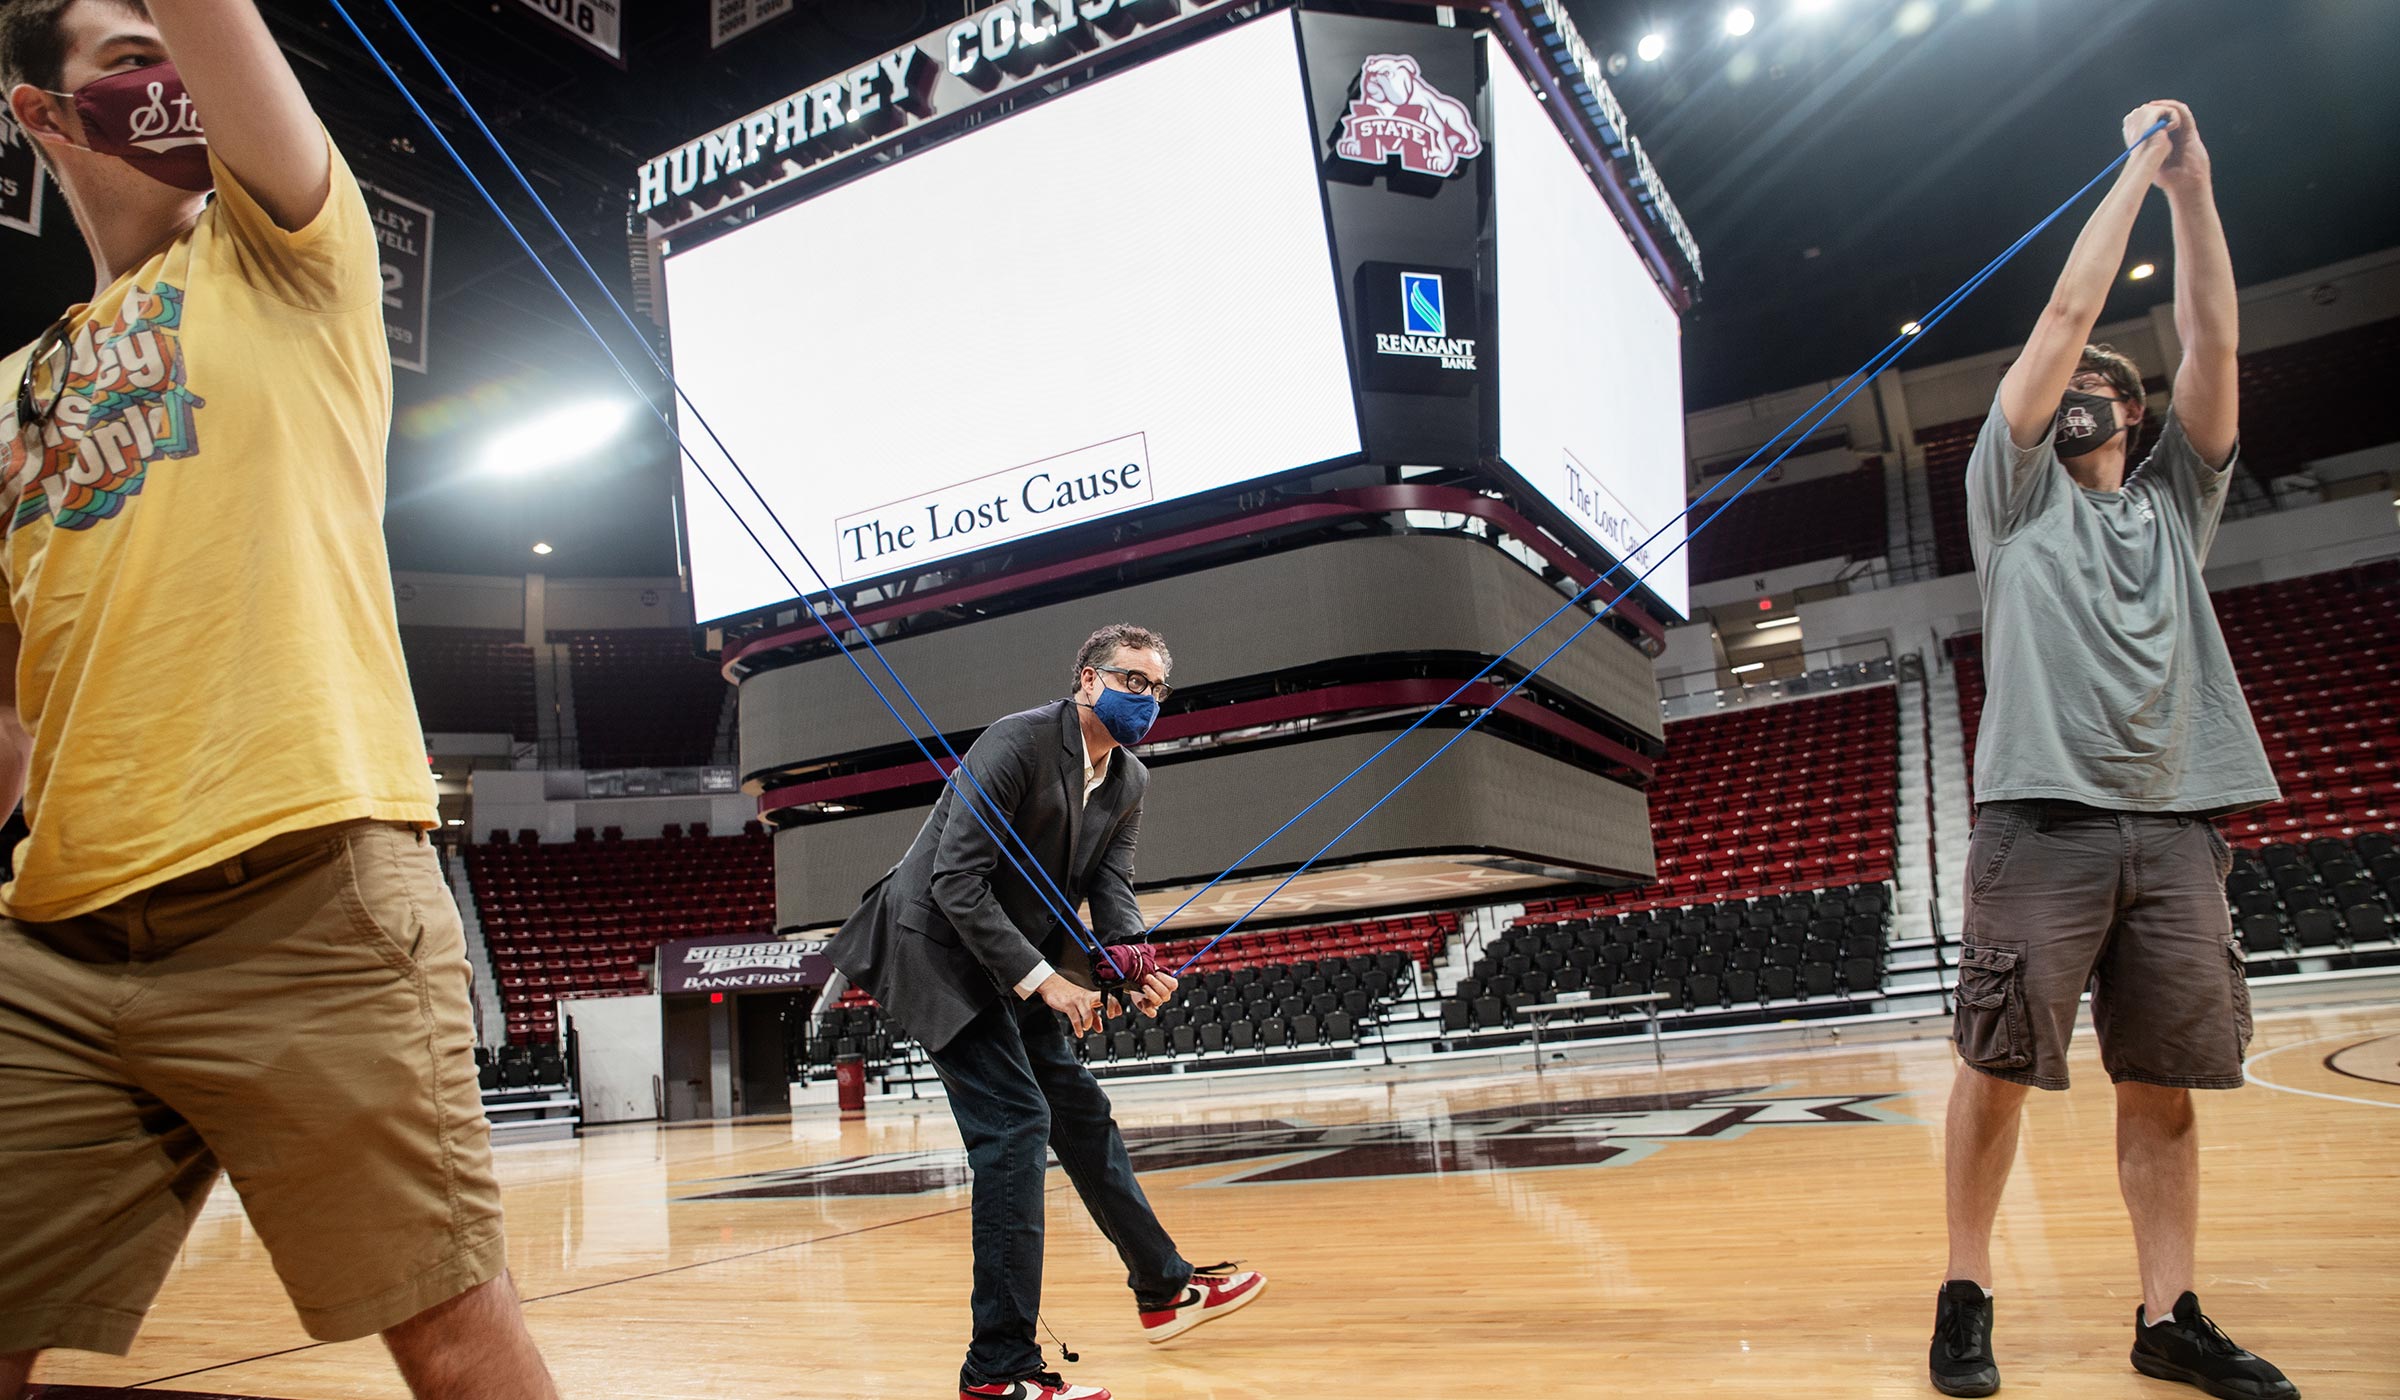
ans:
(1843, 165)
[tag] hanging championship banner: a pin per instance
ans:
(404, 229)
(729, 20)
(598, 23)
(21, 177)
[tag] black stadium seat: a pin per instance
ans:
(2262, 933)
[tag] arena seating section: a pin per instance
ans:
(1275, 992)
(1791, 946)
(587, 918)
(2319, 661)
(2301, 403)
(642, 698)
(2319, 398)
(471, 680)
(1775, 833)
(1283, 991)
(1797, 796)
(1774, 527)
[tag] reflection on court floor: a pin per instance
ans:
(1766, 1224)
(1568, 1133)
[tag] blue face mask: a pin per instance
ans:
(1125, 715)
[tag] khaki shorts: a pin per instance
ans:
(2131, 904)
(297, 1016)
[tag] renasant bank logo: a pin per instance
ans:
(1425, 325)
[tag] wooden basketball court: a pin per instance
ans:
(1764, 1225)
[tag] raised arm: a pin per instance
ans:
(2207, 310)
(2031, 390)
(258, 120)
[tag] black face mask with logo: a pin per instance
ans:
(2085, 423)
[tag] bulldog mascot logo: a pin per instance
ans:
(1398, 113)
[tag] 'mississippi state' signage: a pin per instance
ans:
(990, 51)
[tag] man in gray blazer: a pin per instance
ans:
(965, 951)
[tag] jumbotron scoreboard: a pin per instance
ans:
(1065, 262)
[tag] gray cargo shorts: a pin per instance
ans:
(2061, 896)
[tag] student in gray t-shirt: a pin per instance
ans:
(2114, 730)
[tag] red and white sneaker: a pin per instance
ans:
(1045, 1385)
(1213, 1292)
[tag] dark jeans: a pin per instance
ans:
(1019, 1093)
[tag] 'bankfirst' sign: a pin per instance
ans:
(742, 963)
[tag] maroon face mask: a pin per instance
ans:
(144, 117)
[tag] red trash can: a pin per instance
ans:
(850, 1085)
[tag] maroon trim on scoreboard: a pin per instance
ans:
(1274, 709)
(1333, 505)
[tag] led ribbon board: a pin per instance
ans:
(985, 55)
(1553, 31)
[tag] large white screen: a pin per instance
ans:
(1127, 288)
(1591, 356)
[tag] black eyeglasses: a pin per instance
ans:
(39, 391)
(1139, 683)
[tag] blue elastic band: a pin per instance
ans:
(1000, 830)
(997, 826)
(1865, 375)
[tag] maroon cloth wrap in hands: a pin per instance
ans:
(1134, 962)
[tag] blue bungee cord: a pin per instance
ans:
(1000, 831)
(1865, 375)
(997, 826)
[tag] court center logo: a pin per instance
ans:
(1425, 325)
(1398, 115)
(1605, 1132)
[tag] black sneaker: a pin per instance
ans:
(1961, 1358)
(2187, 1347)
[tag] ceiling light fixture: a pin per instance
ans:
(2141, 270)
(565, 434)
(1774, 622)
(1652, 46)
(1739, 21)
(1910, 328)
(1753, 666)
(541, 547)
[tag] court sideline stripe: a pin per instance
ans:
(2249, 1068)
(612, 1283)
(2353, 1074)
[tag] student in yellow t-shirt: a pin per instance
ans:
(228, 943)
